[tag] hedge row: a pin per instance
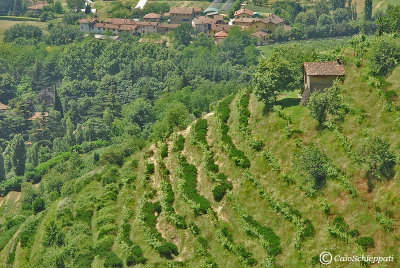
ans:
(267, 237)
(225, 238)
(36, 175)
(187, 185)
(199, 134)
(13, 18)
(242, 105)
(201, 249)
(223, 113)
(134, 252)
(167, 199)
(147, 219)
(304, 227)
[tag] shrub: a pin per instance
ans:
(112, 260)
(365, 242)
(167, 250)
(113, 157)
(7, 235)
(179, 143)
(104, 245)
(38, 204)
(108, 229)
(28, 233)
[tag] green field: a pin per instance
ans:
(5, 24)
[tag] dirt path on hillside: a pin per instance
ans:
(379, 4)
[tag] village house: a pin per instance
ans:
(243, 13)
(87, 25)
(268, 24)
(163, 28)
(37, 6)
(320, 75)
(215, 28)
(220, 37)
(3, 107)
(203, 24)
(152, 17)
(180, 15)
(261, 37)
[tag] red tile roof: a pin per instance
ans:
(204, 20)
(220, 27)
(260, 34)
(244, 11)
(88, 21)
(184, 10)
(38, 5)
(327, 68)
(221, 34)
(273, 19)
(3, 106)
(152, 16)
(167, 25)
(119, 21)
(38, 115)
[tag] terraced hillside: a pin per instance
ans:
(230, 190)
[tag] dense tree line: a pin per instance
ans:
(78, 91)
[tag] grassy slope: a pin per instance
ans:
(358, 212)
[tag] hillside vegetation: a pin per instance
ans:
(243, 185)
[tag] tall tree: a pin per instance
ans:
(75, 5)
(33, 154)
(57, 102)
(69, 134)
(183, 34)
(19, 155)
(368, 9)
(17, 7)
(2, 171)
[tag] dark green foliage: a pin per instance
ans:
(37, 174)
(104, 245)
(7, 235)
(2, 170)
(380, 159)
(168, 199)
(200, 131)
(354, 233)
(136, 257)
(222, 187)
(53, 235)
(324, 103)
(365, 242)
(113, 157)
(183, 33)
(223, 112)
(368, 9)
(384, 55)
(19, 155)
(23, 30)
(148, 219)
(314, 165)
(188, 184)
(28, 233)
(13, 184)
(163, 150)
(85, 209)
(167, 250)
(150, 169)
(112, 260)
(38, 204)
(179, 143)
